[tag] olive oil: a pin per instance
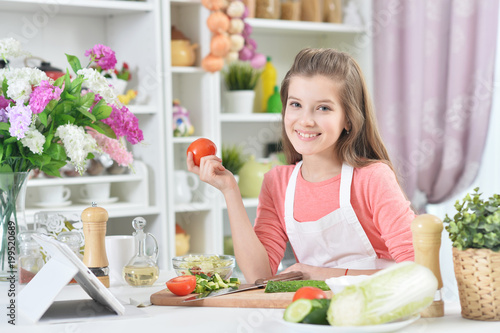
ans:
(140, 276)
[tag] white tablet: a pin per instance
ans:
(63, 266)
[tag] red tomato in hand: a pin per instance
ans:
(309, 293)
(182, 285)
(201, 147)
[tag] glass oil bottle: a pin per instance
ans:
(142, 270)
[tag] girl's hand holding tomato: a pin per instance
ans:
(200, 148)
(202, 161)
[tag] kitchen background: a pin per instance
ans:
(140, 32)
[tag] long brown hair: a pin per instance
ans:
(363, 145)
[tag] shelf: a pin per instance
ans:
(300, 27)
(120, 209)
(142, 109)
(193, 207)
(248, 118)
(77, 7)
(185, 2)
(83, 180)
(187, 70)
(185, 139)
(139, 175)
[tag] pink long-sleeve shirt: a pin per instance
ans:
(376, 197)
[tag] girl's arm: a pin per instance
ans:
(249, 252)
(323, 273)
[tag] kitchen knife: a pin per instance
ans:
(260, 283)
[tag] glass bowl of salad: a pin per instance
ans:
(207, 264)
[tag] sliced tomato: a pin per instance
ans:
(200, 148)
(182, 285)
(309, 293)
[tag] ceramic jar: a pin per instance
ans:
(185, 184)
(183, 52)
(252, 176)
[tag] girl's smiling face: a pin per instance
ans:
(314, 117)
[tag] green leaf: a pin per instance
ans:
(48, 141)
(10, 140)
(103, 129)
(43, 118)
(60, 80)
(86, 113)
(8, 149)
(76, 88)
(101, 111)
(74, 63)
(87, 100)
(5, 168)
(4, 126)
(5, 87)
(56, 152)
(52, 169)
(64, 119)
(67, 95)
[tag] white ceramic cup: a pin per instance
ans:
(119, 250)
(53, 194)
(96, 191)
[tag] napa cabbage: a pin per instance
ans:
(399, 291)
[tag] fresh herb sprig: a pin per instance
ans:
(476, 224)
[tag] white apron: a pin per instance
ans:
(336, 240)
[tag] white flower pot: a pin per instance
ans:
(239, 101)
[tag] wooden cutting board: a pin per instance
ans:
(255, 298)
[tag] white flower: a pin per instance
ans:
(20, 81)
(34, 140)
(55, 224)
(11, 48)
(77, 144)
(98, 84)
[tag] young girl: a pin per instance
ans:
(338, 202)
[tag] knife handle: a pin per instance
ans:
(290, 276)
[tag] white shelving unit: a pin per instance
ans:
(48, 30)
(206, 218)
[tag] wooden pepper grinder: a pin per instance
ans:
(94, 228)
(427, 231)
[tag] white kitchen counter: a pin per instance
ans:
(198, 319)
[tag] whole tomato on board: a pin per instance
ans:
(201, 147)
(182, 285)
(309, 293)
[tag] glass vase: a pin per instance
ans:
(12, 220)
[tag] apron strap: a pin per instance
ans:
(345, 185)
(290, 191)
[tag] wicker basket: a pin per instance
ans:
(478, 278)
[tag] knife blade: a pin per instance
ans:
(260, 283)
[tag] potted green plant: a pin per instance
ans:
(475, 233)
(233, 158)
(240, 79)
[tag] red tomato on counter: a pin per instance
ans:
(201, 147)
(182, 285)
(309, 293)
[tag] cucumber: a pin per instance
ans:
(318, 314)
(298, 310)
(292, 286)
